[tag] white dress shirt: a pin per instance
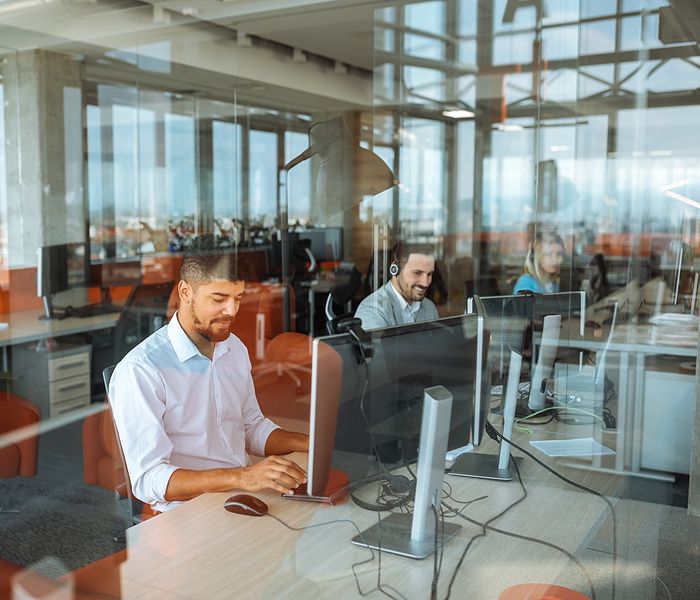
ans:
(175, 408)
(409, 312)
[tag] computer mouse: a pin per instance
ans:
(244, 504)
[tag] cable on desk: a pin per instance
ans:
(483, 526)
(354, 565)
(496, 436)
(490, 527)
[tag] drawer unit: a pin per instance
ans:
(57, 381)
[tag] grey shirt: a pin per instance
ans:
(383, 309)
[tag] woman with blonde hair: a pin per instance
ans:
(542, 265)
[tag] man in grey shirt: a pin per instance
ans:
(402, 299)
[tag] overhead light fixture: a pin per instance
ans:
(674, 185)
(504, 127)
(683, 199)
(458, 113)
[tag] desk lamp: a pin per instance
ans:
(347, 172)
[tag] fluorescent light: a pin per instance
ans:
(685, 199)
(660, 153)
(504, 127)
(674, 185)
(458, 113)
(559, 148)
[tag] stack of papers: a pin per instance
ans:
(674, 329)
(575, 447)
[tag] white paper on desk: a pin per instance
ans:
(576, 447)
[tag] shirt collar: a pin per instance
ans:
(184, 347)
(413, 307)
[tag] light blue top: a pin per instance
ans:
(530, 283)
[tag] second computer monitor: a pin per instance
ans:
(375, 407)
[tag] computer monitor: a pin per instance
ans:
(258, 257)
(366, 415)
(61, 267)
(113, 272)
(326, 243)
(515, 321)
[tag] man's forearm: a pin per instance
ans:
(274, 472)
(185, 484)
(281, 441)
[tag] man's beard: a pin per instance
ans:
(208, 332)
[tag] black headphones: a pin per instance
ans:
(394, 269)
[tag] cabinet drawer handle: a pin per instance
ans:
(73, 386)
(70, 365)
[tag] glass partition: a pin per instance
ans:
(388, 161)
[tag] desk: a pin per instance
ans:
(634, 343)
(25, 326)
(199, 550)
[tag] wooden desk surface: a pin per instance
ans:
(199, 550)
(26, 326)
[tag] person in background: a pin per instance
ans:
(402, 299)
(542, 265)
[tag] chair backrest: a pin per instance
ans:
(348, 283)
(144, 312)
(137, 507)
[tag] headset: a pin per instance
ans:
(394, 269)
(396, 490)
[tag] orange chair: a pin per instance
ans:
(540, 591)
(19, 458)
(102, 464)
(103, 461)
(287, 354)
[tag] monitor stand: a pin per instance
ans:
(492, 466)
(414, 536)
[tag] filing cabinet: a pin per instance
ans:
(56, 380)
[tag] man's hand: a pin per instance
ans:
(273, 472)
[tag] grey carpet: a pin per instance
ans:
(73, 522)
(60, 516)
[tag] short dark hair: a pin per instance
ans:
(203, 262)
(402, 250)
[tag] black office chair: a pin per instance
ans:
(348, 282)
(144, 313)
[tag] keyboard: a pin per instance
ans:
(90, 310)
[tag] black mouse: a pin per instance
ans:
(244, 504)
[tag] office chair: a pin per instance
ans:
(20, 458)
(144, 312)
(348, 282)
(287, 354)
(138, 511)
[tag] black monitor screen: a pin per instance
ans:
(380, 402)
(258, 257)
(326, 243)
(62, 267)
(117, 272)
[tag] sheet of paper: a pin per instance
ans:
(576, 447)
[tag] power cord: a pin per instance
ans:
(380, 586)
(498, 437)
(483, 526)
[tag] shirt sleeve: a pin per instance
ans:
(137, 397)
(257, 427)
(371, 317)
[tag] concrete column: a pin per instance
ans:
(48, 205)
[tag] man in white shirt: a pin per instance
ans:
(184, 403)
(402, 300)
